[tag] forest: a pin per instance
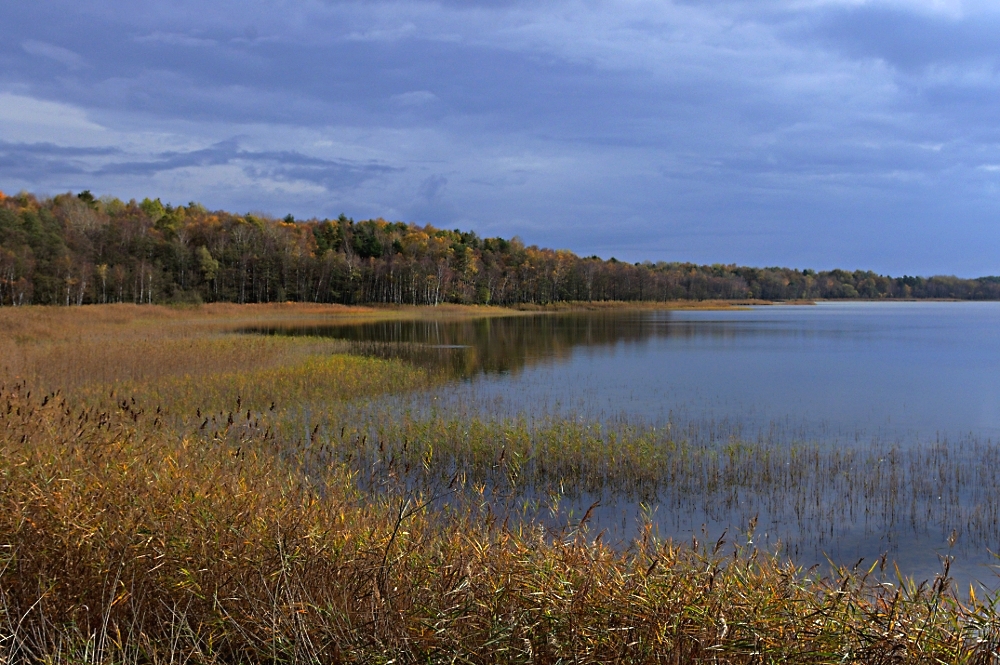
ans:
(78, 249)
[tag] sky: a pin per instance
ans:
(802, 133)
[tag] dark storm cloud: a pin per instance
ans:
(39, 161)
(42, 161)
(765, 131)
(277, 164)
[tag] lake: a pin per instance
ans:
(862, 376)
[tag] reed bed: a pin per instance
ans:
(64, 349)
(314, 380)
(271, 506)
(808, 495)
(122, 545)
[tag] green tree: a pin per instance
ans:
(209, 266)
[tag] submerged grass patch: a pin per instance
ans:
(252, 499)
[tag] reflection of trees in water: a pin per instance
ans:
(491, 345)
(507, 344)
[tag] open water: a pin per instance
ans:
(901, 374)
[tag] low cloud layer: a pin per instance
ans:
(820, 133)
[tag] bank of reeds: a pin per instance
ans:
(233, 509)
(128, 544)
(807, 494)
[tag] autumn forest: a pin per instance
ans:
(78, 249)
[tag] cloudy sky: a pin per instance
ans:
(808, 133)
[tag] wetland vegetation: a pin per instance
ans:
(178, 489)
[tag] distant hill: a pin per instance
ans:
(73, 250)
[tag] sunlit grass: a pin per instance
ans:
(313, 380)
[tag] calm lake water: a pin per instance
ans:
(840, 374)
(902, 371)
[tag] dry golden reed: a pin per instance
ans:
(129, 533)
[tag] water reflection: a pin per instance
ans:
(506, 345)
(900, 371)
(500, 345)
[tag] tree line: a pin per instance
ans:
(78, 249)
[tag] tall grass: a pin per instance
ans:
(228, 508)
